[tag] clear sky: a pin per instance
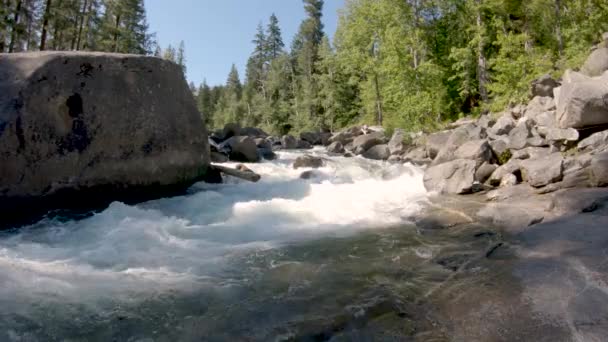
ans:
(218, 33)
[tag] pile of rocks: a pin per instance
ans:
(558, 140)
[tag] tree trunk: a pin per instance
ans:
(45, 24)
(379, 113)
(115, 40)
(11, 45)
(80, 26)
(56, 31)
(558, 27)
(88, 25)
(482, 69)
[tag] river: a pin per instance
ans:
(334, 257)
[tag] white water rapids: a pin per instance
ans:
(127, 253)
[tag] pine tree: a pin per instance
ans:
(274, 39)
(180, 58)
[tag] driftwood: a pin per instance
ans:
(242, 172)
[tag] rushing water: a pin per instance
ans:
(282, 259)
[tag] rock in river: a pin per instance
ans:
(78, 127)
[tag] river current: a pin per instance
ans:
(327, 258)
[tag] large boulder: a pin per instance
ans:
(289, 142)
(335, 147)
(599, 169)
(253, 132)
(503, 125)
(454, 177)
(518, 137)
(478, 150)
(396, 145)
(364, 142)
(543, 86)
(308, 161)
(303, 145)
(94, 127)
(597, 63)
(343, 138)
(597, 141)
(378, 152)
(435, 142)
(543, 171)
(313, 138)
(230, 130)
(458, 137)
(583, 104)
(243, 149)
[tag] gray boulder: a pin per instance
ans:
(243, 149)
(396, 145)
(266, 153)
(599, 169)
(503, 126)
(583, 104)
(303, 145)
(597, 63)
(484, 172)
(543, 86)
(342, 137)
(543, 171)
(538, 105)
(458, 137)
(335, 147)
(313, 138)
(364, 142)
(325, 136)
(378, 152)
(508, 180)
(596, 141)
(562, 134)
(518, 137)
(253, 132)
(501, 149)
(546, 119)
(308, 161)
(416, 154)
(231, 130)
(512, 166)
(289, 142)
(262, 143)
(454, 177)
(478, 150)
(435, 142)
(81, 127)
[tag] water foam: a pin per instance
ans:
(181, 243)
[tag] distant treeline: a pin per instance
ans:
(404, 63)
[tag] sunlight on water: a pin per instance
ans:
(180, 244)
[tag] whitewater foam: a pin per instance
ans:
(181, 243)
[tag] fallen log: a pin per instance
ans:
(242, 173)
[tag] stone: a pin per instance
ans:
(543, 171)
(231, 130)
(417, 153)
(512, 166)
(484, 172)
(313, 138)
(454, 177)
(599, 169)
(395, 159)
(217, 157)
(571, 76)
(325, 136)
(289, 142)
(503, 126)
(597, 63)
(243, 149)
(310, 174)
(546, 119)
(266, 153)
(500, 149)
(342, 137)
(303, 145)
(262, 143)
(478, 150)
(335, 147)
(538, 105)
(543, 86)
(583, 104)
(562, 134)
(364, 142)
(308, 161)
(485, 122)
(435, 142)
(458, 137)
(518, 137)
(595, 141)
(83, 127)
(508, 180)
(378, 152)
(396, 144)
(536, 141)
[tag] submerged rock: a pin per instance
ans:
(378, 152)
(289, 142)
(308, 161)
(335, 147)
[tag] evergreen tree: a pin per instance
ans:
(180, 57)
(274, 39)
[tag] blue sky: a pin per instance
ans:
(218, 33)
